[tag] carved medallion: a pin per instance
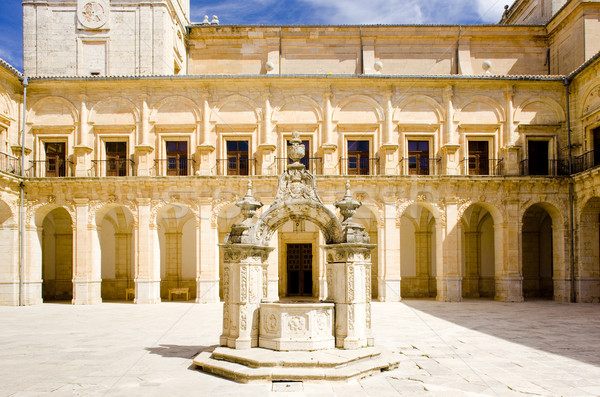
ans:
(296, 324)
(93, 14)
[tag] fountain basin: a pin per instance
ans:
(289, 326)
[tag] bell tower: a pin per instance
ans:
(104, 37)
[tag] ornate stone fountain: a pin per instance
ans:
(325, 336)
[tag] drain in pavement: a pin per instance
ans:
(287, 386)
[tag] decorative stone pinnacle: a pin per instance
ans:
(348, 205)
(248, 205)
(296, 151)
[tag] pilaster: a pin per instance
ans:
(147, 267)
(207, 257)
(86, 257)
(449, 281)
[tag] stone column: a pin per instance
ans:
(205, 146)
(389, 148)
(349, 278)
(32, 272)
(147, 275)
(207, 257)
(449, 145)
(9, 279)
(244, 285)
(328, 146)
(86, 257)
(470, 282)
(389, 258)
(266, 149)
(143, 162)
(507, 243)
(81, 150)
(448, 273)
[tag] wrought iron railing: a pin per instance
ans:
(235, 166)
(359, 166)
(586, 161)
(55, 168)
(312, 164)
(474, 166)
(174, 166)
(420, 166)
(543, 167)
(112, 167)
(10, 164)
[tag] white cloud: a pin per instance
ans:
(372, 12)
(490, 11)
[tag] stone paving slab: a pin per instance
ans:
(472, 348)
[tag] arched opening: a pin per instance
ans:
(115, 232)
(537, 253)
(57, 256)
(418, 253)
(588, 266)
(300, 259)
(177, 241)
(478, 253)
(9, 265)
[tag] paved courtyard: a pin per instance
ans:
(472, 348)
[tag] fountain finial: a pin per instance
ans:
(296, 151)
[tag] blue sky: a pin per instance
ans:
(289, 12)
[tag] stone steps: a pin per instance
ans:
(262, 365)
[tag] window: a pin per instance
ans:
(358, 157)
(479, 163)
(418, 157)
(116, 158)
(596, 139)
(55, 159)
(304, 160)
(237, 158)
(537, 153)
(177, 158)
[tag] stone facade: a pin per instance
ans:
(455, 140)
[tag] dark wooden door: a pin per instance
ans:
(55, 159)
(116, 158)
(596, 137)
(538, 157)
(478, 158)
(299, 269)
(177, 161)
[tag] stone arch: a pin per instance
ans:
(175, 110)
(301, 209)
(7, 216)
(540, 111)
(7, 110)
(588, 252)
(418, 250)
(245, 113)
(115, 228)
(357, 103)
(542, 255)
(430, 113)
(591, 100)
(478, 246)
(304, 109)
(176, 232)
(114, 111)
(53, 111)
(57, 253)
(480, 110)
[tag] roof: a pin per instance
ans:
(301, 76)
(10, 68)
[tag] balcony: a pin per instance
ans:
(359, 166)
(478, 166)
(586, 161)
(174, 166)
(313, 164)
(236, 166)
(10, 164)
(543, 167)
(51, 168)
(113, 167)
(420, 166)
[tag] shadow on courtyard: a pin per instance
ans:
(568, 330)
(178, 351)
